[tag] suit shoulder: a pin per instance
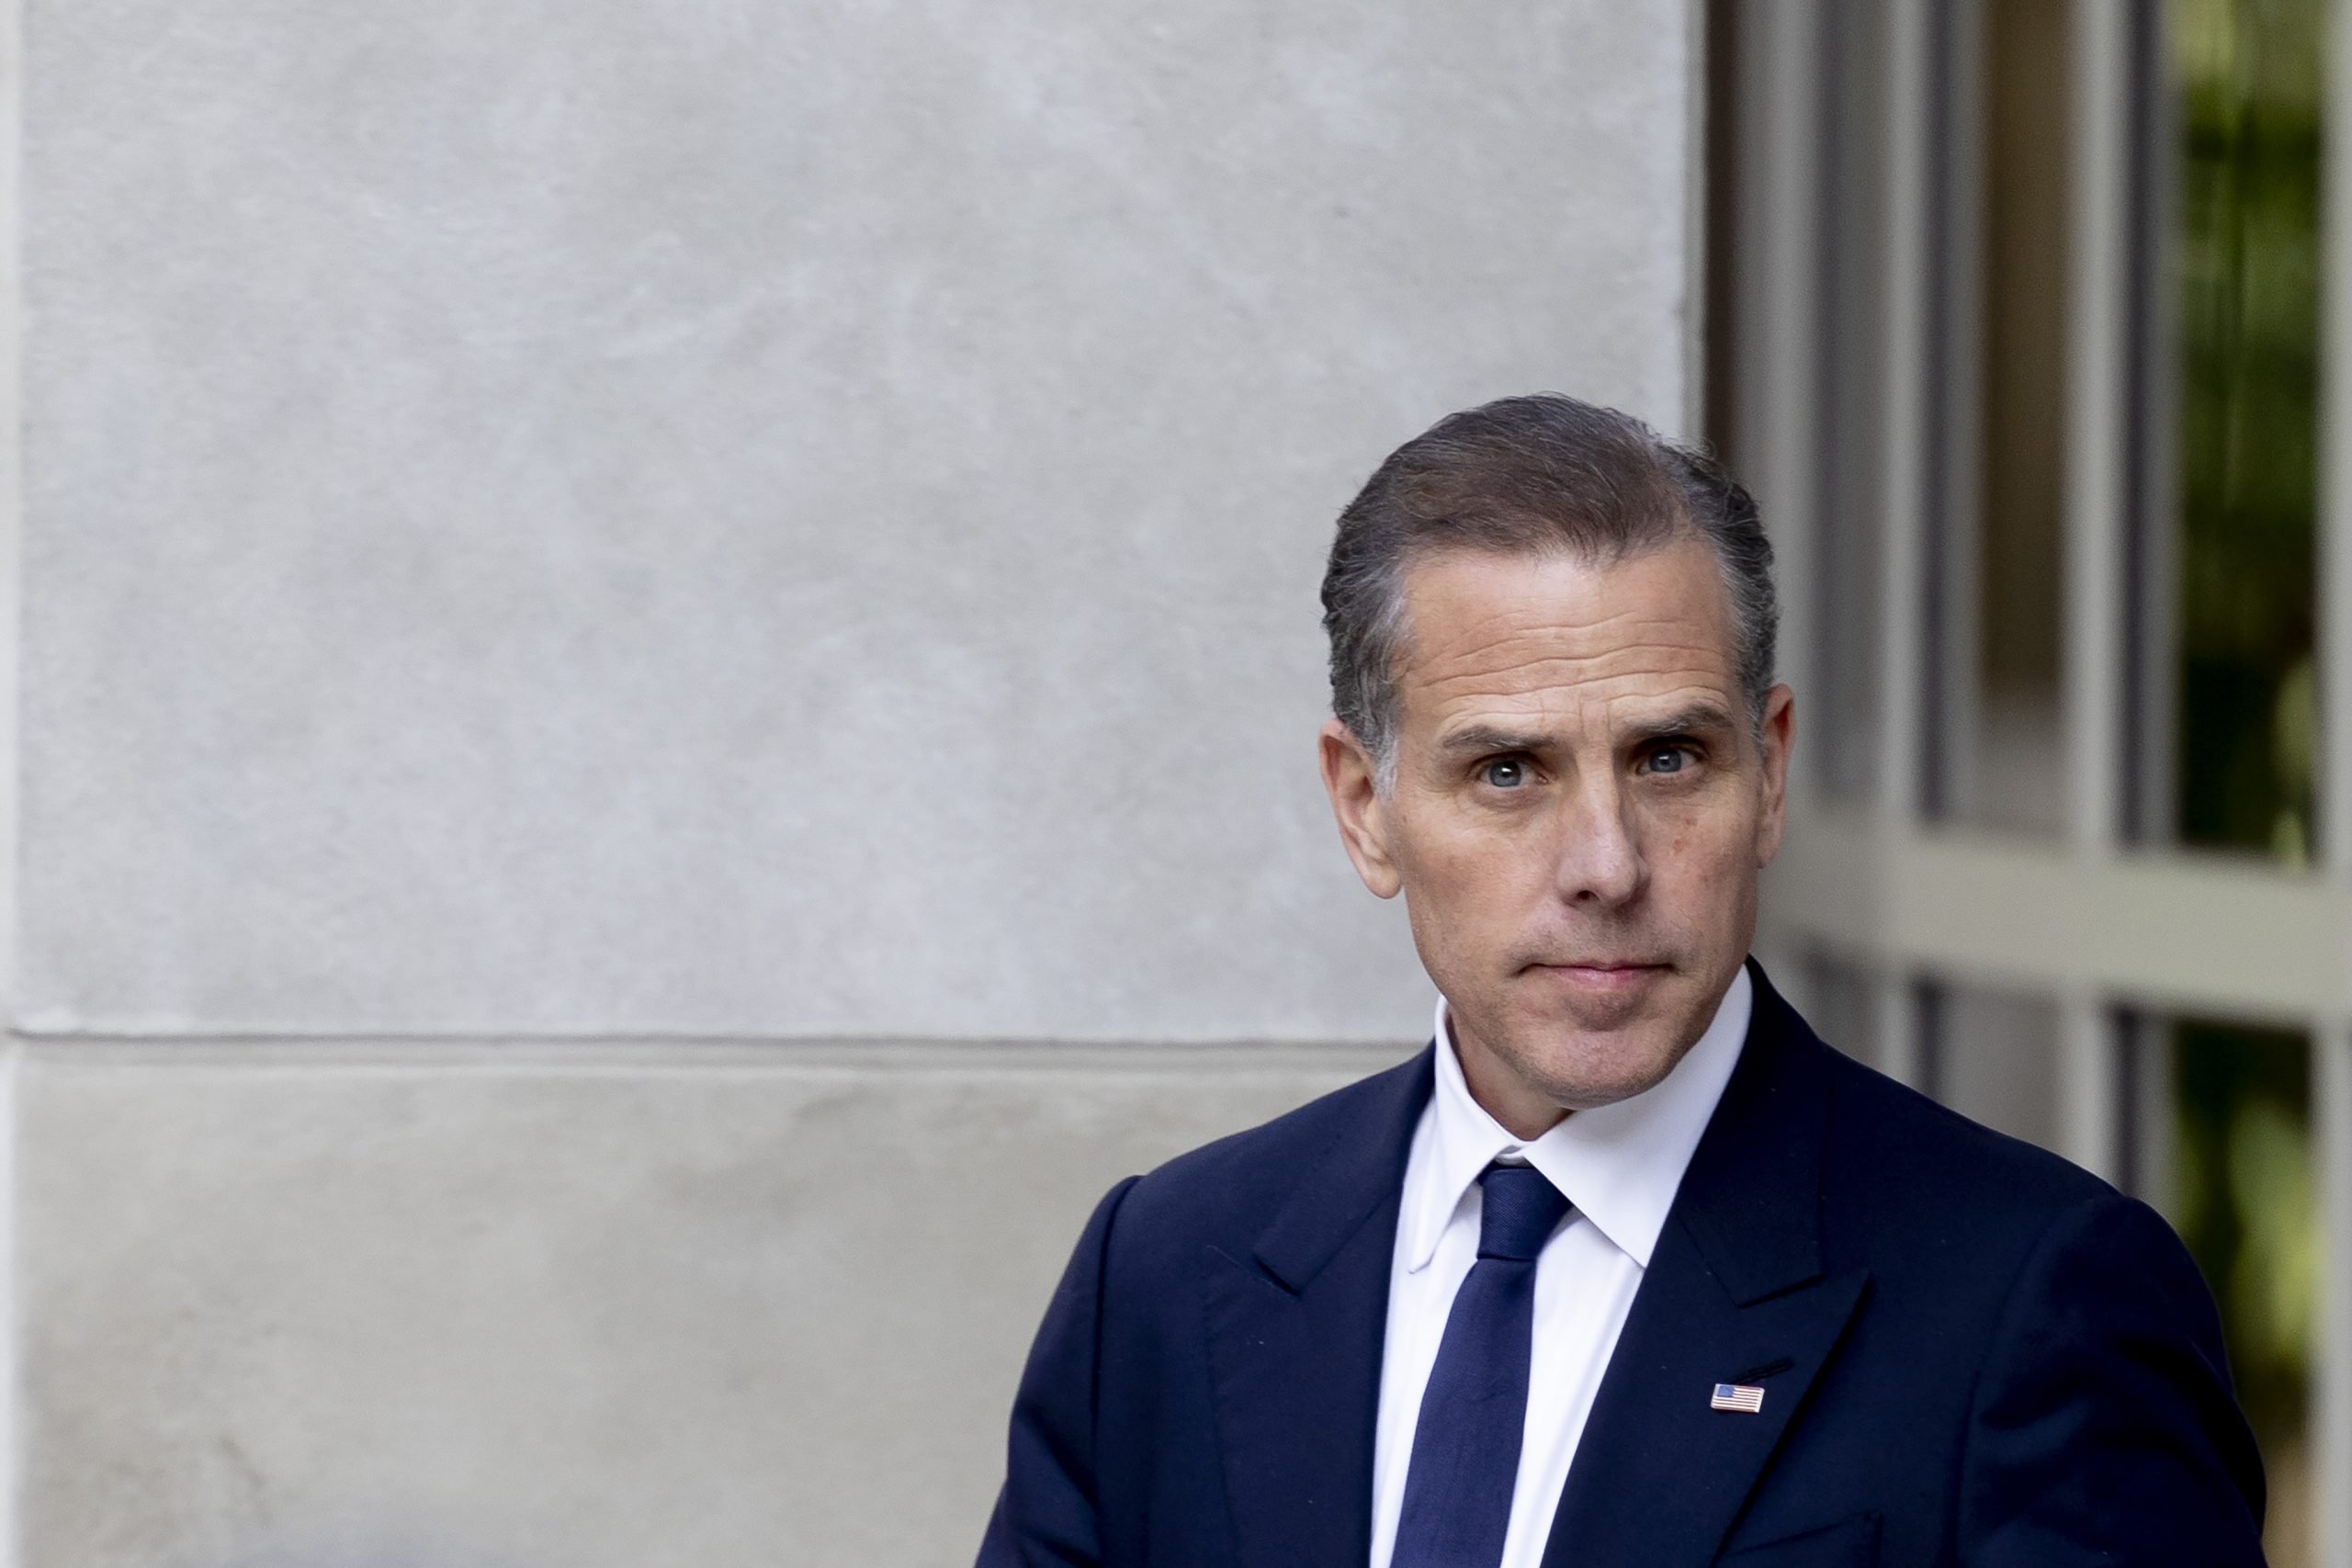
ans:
(1253, 1169)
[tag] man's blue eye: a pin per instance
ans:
(1505, 774)
(1668, 759)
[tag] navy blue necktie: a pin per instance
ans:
(1466, 1446)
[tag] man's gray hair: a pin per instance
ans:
(1538, 475)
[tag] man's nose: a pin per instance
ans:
(1599, 853)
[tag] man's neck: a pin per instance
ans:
(1521, 1109)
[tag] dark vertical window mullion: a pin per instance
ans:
(1829, 381)
(1937, 672)
(2150, 567)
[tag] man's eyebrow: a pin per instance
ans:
(1696, 719)
(1485, 737)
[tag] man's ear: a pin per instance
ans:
(1351, 779)
(1777, 735)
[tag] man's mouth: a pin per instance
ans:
(1603, 973)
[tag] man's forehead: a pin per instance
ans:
(1530, 624)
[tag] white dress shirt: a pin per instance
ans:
(1619, 1165)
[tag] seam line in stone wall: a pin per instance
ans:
(638, 1055)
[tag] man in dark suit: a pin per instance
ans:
(1628, 1267)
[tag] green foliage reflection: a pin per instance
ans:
(2243, 1198)
(2247, 283)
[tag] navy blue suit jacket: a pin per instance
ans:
(1973, 1352)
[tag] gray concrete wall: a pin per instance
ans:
(667, 659)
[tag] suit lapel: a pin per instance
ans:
(1297, 1324)
(1735, 1293)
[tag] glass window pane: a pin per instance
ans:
(2008, 768)
(1844, 697)
(1841, 1006)
(1996, 1059)
(2243, 1199)
(2245, 270)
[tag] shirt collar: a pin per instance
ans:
(1618, 1164)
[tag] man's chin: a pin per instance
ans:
(1591, 1094)
(1582, 1069)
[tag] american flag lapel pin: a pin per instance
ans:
(1746, 1398)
